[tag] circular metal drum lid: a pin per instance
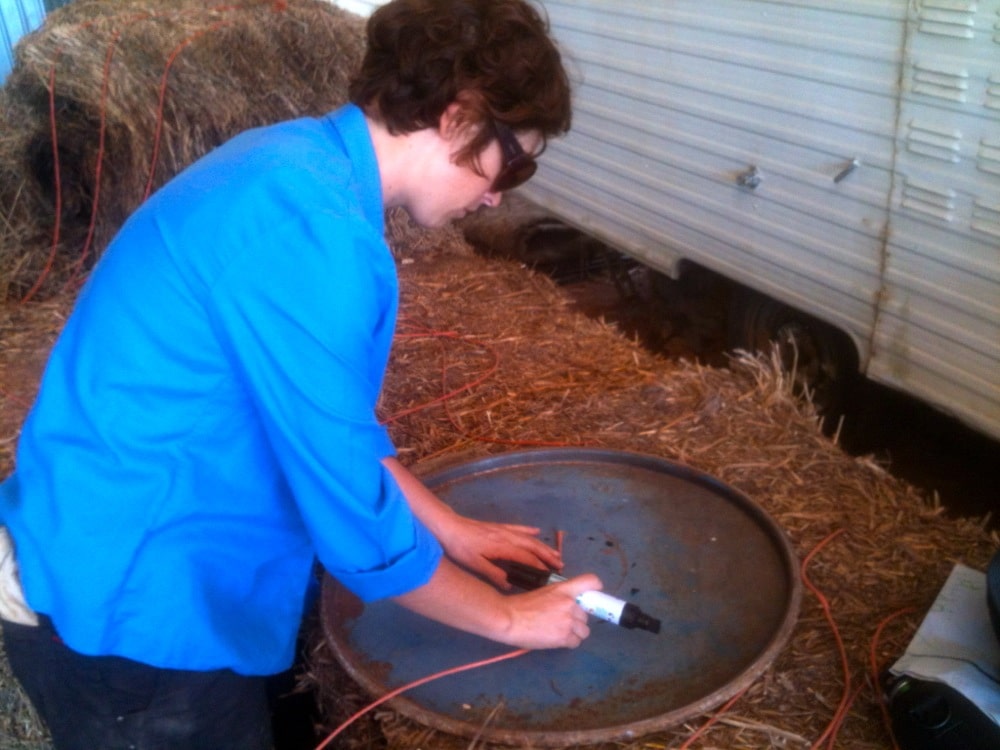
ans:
(687, 549)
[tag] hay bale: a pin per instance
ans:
(139, 90)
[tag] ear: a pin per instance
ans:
(462, 114)
(452, 121)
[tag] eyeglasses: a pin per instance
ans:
(518, 166)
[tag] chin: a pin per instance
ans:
(437, 223)
(428, 221)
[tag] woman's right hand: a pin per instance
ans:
(549, 617)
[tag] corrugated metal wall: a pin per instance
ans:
(17, 18)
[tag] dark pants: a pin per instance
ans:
(111, 703)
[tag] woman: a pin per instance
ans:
(206, 428)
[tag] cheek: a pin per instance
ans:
(468, 186)
(491, 160)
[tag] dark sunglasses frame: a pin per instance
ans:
(518, 165)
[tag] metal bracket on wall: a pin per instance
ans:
(751, 178)
(851, 166)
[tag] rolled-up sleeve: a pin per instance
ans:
(311, 339)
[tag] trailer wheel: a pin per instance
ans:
(822, 359)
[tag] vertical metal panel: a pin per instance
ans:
(938, 334)
(17, 18)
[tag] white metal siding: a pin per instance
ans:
(674, 103)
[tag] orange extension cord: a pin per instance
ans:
(277, 6)
(827, 738)
(417, 683)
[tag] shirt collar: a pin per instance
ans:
(352, 127)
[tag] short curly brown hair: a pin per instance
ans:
(494, 57)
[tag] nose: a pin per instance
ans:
(492, 199)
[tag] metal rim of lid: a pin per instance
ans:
(335, 598)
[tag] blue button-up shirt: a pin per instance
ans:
(206, 424)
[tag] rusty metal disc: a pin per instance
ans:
(683, 546)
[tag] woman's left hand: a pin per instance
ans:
(475, 544)
(470, 543)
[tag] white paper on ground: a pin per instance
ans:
(956, 643)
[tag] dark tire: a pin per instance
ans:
(822, 358)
